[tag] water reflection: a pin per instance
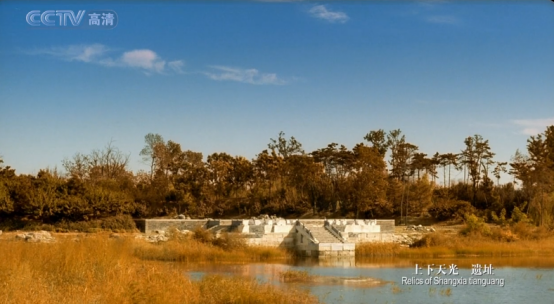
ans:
(462, 262)
(396, 262)
(527, 279)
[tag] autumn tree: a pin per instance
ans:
(283, 148)
(536, 171)
(398, 158)
(220, 166)
(418, 163)
(421, 196)
(337, 163)
(150, 152)
(476, 157)
(369, 182)
(448, 160)
(267, 173)
(378, 140)
(7, 176)
(241, 179)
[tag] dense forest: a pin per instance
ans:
(383, 177)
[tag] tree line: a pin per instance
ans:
(385, 176)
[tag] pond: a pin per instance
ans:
(516, 280)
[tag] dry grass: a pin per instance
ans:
(296, 276)
(378, 249)
(229, 248)
(499, 243)
(102, 270)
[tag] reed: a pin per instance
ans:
(441, 245)
(97, 269)
(191, 249)
(378, 249)
(296, 276)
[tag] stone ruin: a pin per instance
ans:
(311, 237)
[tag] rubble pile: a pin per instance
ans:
(36, 237)
(420, 228)
(159, 236)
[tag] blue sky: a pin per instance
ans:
(217, 76)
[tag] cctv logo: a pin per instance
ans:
(35, 18)
(97, 19)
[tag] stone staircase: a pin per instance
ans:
(322, 235)
(217, 230)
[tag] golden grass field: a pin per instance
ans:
(97, 269)
(520, 240)
(94, 268)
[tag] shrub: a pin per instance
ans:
(447, 209)
(527, 231)
(499, 220)
(10, 224)
(518, 216)
(475, 226)
(230, 241)
(432, 240)
(121, 222)
(503, 235)
(118, 223)
(202, 235)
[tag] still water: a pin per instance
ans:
(524, 280)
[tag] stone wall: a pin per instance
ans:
(370, 237)
(283, 240)
(303, 241)
(278, 232)
(151, 225)
(314, 222)
(336, 249)
(387, 226)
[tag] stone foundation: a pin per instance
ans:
(291, 234)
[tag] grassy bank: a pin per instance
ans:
(460, 246)
(98, 269)
(199, 248)
(482, 240)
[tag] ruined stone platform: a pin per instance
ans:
(312, 237)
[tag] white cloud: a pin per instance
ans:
(443, 19)
(146, 60)
(176, 66)
(84, 53)
(149, 63)
(534, 126)
(428, 11)
(320, 11)
(251, 76)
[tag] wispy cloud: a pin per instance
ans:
(251, 76)
(321, 12)
(176, 66)
(145, 60)
(149, 62)
(435, 12)
(534, 126)
(83, 53)
(444, 19)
